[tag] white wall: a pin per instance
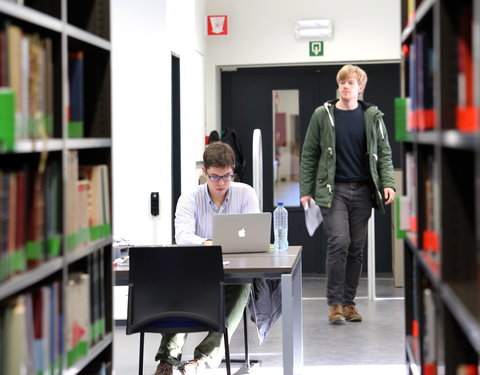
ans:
(262, 33)
(145, 33)
(185, 31)
(140, 117)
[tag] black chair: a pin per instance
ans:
(174, 290)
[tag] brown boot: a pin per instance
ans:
(351, 313)
(193, 367)
(164, 368)
(335, 314)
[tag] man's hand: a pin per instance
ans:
(207, 243)
(305, 200)
(389, 195)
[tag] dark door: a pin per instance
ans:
(247, 105)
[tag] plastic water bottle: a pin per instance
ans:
(280, 227)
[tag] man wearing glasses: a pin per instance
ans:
(194, 225)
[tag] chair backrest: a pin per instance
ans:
(175, 289)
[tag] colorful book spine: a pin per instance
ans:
(7, 119)
(76, 85)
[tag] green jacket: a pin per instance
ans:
(318, 163)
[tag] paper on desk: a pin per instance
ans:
(313, 217)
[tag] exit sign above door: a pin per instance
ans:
(316, 48)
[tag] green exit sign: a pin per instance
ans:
(316, 49)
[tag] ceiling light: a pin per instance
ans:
(314, 29)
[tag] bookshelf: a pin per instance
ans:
(438, 122)
(56, 308)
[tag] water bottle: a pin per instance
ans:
(280, 227)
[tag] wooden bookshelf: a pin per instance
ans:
(56, 308)
(441, 41)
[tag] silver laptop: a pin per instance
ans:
(242, 233)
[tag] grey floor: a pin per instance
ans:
(374, 346)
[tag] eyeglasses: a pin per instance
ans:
(215, 178)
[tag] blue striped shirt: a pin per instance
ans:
(195, 211)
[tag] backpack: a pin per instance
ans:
(230, 136)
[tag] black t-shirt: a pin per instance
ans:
(351, 145)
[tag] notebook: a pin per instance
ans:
(242, 233)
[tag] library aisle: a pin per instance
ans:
(374, 346)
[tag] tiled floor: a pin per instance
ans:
(374, 346)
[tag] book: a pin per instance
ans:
(400, 119)
(7, 119)
(76, 94)
(14, 69)
(72, 227)
(18, 359)
(41, 321)
(98, 200)
(4, 218)
(12, 227)
(429, 333)
(3, 58)
(21, 221)
(424, 69)
(466, 113)
(78, 325)
(411, 186)
(36, 221)
(53, 206)
(48, 91)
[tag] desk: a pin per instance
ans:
(285, 265)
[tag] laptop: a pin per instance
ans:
(242, 233)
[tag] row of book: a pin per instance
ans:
(30, 220)
(27, 88)
(418, 55)
(31, 332)
(430, 334)
(37, 337)
(417, 111)
(88, 202)
(407, 208)
(467, 115)
(26, 75)
(31, 212)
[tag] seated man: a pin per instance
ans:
(194, 225)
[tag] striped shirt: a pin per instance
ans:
(195, 211)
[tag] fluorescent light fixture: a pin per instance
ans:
(312, 29)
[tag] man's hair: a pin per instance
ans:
(220, 155)
(349, 70)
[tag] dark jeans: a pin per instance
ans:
(346, 223)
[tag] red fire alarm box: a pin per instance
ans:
(217, 25)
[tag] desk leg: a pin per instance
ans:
(292, 325)
(298, 320)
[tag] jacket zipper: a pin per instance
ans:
(329, 115)
(381, 130)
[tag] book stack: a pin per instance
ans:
(88, 202)
(31, 332)
(422, 115)
(30, 219)
(26, 71)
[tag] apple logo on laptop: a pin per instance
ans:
(241, 233)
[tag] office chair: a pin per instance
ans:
(176, 289)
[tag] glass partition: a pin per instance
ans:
(286, 147)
